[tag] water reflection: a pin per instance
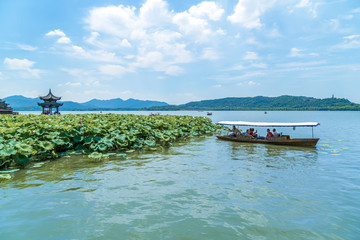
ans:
(274, 155)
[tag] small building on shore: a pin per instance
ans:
(4, 108)
(50, 102)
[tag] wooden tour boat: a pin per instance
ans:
(279, 140)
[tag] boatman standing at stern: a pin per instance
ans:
(235, 131)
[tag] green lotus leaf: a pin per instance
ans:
(24, 149)
(122, 143)
(121, 155)
(78, 139)
(95, 155)
(150, 143)
(102, 147)
(70, 152)
(46, 145)
(1, 146)
(40, 132)
(58, 142)
(93, 146)
(115, 132)
(21, 159)
(8, 152)
(88, 140)
(130, 151)
(137, 145)
(5, 176)
(108, 142)
(79, 148)
(121, 137)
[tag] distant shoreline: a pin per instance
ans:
(259, 103)
(195, 110)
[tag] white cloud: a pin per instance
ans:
(22, 65)
(251, 56)
(301, 64)
(72, 84)
(18, 64)
(85, 77)
(26, 47)
(154, 13)
(274, 33)
(249, 83)
(125, 43)
(210, 54)
(295, 52)
(172, 70)
(304, 3)
(113, 20)
(309, 5)
(195, 21)
(248, 12)
(150, 33)
(350, 42)
(252, 83)
(126, 92)
(259, 65)
(352, 37)
(236, 67)
(62, 36)
(334, 23)
(114, 70)
(356, 10)
(56, 32)
(217, 86)
(150, 37)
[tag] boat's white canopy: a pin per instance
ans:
(269, 124)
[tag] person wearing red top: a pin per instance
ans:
(252, 133)
(269, 134)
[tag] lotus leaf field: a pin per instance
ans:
(25, 138)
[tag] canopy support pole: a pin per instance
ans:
(312, 131)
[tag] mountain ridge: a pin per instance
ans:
(21, 103)
(261, 103)
(284, 102)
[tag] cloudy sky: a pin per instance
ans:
(180, 51)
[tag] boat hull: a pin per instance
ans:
(283, 140)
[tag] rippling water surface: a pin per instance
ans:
(201, 188)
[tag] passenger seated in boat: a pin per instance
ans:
(252, 133)
(275, 133)
(248, 133)
(269, 134)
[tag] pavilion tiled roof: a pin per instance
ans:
(50, 97)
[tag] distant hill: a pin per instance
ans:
(119, 103)
(266, 104)
(290, 103)
(21, 103)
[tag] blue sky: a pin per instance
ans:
(180, 51)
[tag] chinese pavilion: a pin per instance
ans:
(4, 108)
(50, 103)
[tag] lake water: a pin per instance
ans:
(198, 189)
